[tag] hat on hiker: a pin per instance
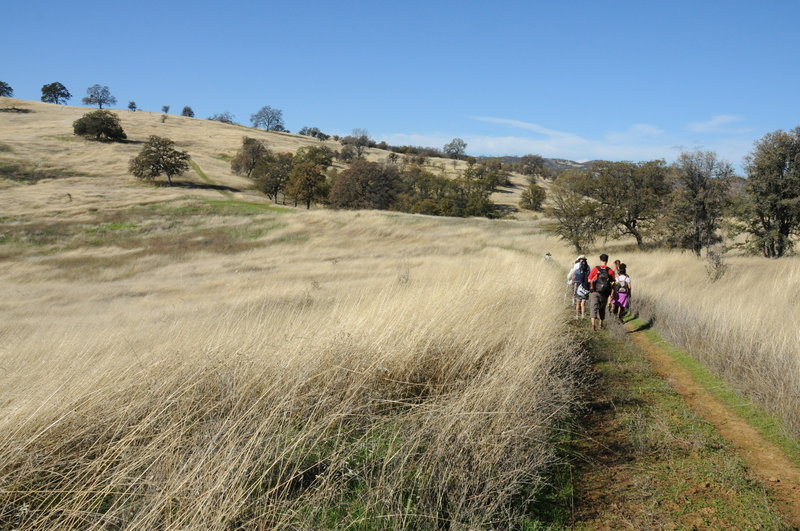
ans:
(581, 257)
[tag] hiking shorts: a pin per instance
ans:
(597, 305)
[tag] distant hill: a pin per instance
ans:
(557, 165)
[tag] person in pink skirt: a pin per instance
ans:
(622, 293)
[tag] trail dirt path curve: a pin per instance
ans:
(765, 460)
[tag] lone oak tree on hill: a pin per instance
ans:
(5, 90)
(97, 95)
(159, 156)
(99, 124)
(456, 148)
(55, 93)
(268, 118)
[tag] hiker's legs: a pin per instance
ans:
(597, 309)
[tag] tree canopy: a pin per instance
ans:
(455, 148)
(5, 90)
(773, 192)
(55, 93)
(97, 95)
(631, 195)
(268, 118)
(699, 199)
(159, 157)
(99, 124)
(248, 156)
(224, 117)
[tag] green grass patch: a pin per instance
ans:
(767, 425)
(648, 462)
(246, 207)
(5, 148)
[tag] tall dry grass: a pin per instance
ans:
(745, 326)
(359, 369)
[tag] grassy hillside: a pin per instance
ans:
(210, 364)
(37, 146)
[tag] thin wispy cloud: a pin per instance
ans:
(536, 128)
(719, 124)
(638, 142)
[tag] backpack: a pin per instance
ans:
(581, 276)
(602, 283)
(621, 286)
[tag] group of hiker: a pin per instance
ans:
(602, 286)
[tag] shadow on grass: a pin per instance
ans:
(642, 327)
(198, 186)
(17, 110)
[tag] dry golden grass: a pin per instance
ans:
(373, 369)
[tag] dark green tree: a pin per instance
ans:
(99, 124)
(187, 111)
(533, 197)
(699, 200)
(322, 156)
(365, 185)
(97, 95)
(631, 195)
(248, 156)
(132, 106)
(165, 109)
(159, 157)
(55, 93)
(306, 182)
(272, 173)
(773, 192)
(5, 90)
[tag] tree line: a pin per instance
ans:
(690, 204)
(307, 177)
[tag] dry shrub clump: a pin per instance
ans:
(423, 401)
(743, 324)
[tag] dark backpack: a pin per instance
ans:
(621, 286)
(581, 276)
(602, 283)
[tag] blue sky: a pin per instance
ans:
(618, 80)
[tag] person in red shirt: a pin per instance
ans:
(601, 280)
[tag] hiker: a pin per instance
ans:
(580, 286)
(601, 279)
(613, 292)
(571, 274)
(622, 292)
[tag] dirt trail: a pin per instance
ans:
(765, 460)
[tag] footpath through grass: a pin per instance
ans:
(642, 460)
(767, 425)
